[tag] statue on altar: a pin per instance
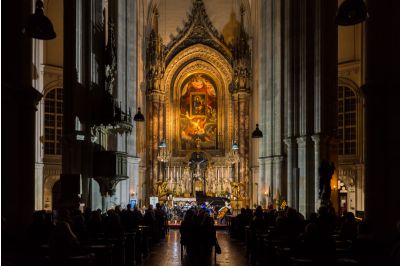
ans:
(236, 189)
(161, 188)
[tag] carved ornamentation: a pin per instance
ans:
(155, 63)
(110, 60)
(212, 64)
(198, 29)
(193, 53)
(241, 59)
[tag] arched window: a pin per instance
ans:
(53, 118)
(347, 124)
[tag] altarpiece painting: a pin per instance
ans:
(198, 113)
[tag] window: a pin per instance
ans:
(347, 121)
(53, 118)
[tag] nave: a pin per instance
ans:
(168, 251)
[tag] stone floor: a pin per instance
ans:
(168, 252)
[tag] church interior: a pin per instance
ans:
(227, 104)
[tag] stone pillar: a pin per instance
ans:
(20, 101)
(306, 176)
(267, 177)
(382, 143)
(261, 181)
(133, 173)
(19, 168)
(319, 154)
(290, 184)
(39, 203)
(243, 113)
(155, 132)
(235, 119)
(71, 157)
(277, 175)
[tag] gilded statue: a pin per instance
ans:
(236, 188)
(161, 188)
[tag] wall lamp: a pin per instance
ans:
(139, 117)
(257, 133)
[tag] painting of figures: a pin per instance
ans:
(198, 113)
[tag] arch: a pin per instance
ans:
(202, 59)
(58, 83)
(48, 186)
(346, 82)
(202, 54)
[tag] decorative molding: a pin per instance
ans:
(52, 170)
(52, 71)
(278, 159)
(348, 82)
(289, 141)
(302, 141)
(52, 77)
(319, 138)
(349, 68)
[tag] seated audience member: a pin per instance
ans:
(95, 224)
(313, 245)
(40, 229)
(63, 242)
(113, 227)
(348, 230)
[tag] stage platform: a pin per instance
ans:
(217, 226)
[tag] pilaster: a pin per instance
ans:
(39, 204)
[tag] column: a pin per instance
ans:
(319, 143)
(290, 183)
(261, 181)
(39, 203)
(277, 175)
(243, 171)
(155, 131)
(382, 143)
(266, 164)
(306, 176)
(133, 173)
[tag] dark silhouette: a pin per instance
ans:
(326, 171)
(198, 236)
